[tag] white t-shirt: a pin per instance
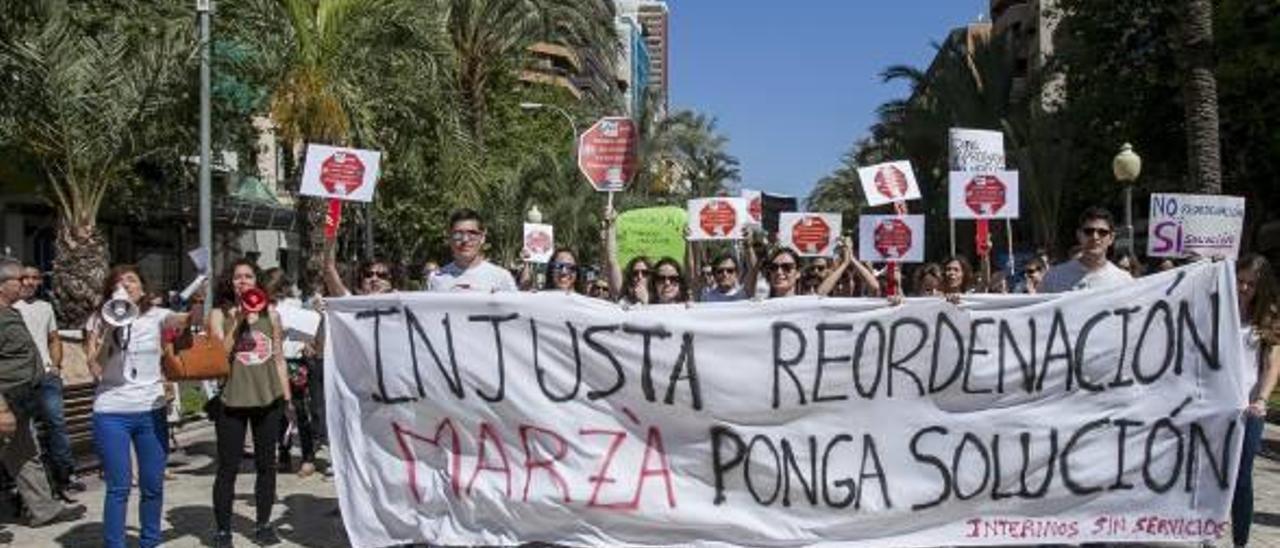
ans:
(38, 315)
(132, 381)
(1072, 276)
(483, 276)
(713, 295)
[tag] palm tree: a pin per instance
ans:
(1200, 95)
(684, 156)
(87, 90)
(326, 63)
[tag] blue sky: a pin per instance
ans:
(793, 83)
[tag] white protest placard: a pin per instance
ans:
(717, 218)
(200, 258)
(506, 418)
(539, 243)
(1199, 225)
(983, 195)
(755, 207)
(975, 150)
(885, 238)
(299, 322)
(340, 173)
(889, 182)
(810, 234)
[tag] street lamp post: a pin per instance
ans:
(572, 125)
(1126, 166)
(206, 196)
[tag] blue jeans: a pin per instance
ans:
(1242, 499)
(54, 440)
(115, 434)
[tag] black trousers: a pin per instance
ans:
(231, 424)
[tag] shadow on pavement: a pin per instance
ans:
(309, 520)
(89, 533)
(1266, 518)
(196, 522)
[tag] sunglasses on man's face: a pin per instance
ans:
(1092, 232)
(721, 271)
(460, 236)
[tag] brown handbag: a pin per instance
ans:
(198, 357)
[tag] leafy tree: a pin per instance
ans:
(91, 83)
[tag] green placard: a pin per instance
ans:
(655, 232)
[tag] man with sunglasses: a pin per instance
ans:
(469, 271)
(1091, 270)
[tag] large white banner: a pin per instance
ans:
(1106, 415)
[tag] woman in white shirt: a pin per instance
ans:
(129, 407)
(1257, 299)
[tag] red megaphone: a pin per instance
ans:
(253, 300)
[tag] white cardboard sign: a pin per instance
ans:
(717, 218)
(810, 234)
(896, 238)
(755, 207)
(975, 150)
(340, 173)
(889, 182)
(983, 195)
(1184, 225)
(539, 243)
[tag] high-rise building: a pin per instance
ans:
(1028, 26)
(632, 67)
(652, 15)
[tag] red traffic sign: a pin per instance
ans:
(892, 238)
(985, 194)
(717, 218)
(607, 153)
(891, 182)
(341, 173)
(811, 235)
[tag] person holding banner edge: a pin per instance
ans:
(1256, 296)
(255, 395)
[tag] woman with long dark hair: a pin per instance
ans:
(129, 415)
(782, 269)
(255, 395)
(957, 275)
(669, 285)
(1260, 315)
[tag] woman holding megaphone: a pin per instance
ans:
(255, 395)
(124, 350)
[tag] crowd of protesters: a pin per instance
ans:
(274, 384)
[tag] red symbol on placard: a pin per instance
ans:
(253, 348)
(341, 173)
(985, 194)
(891, 182)
(607, 153)
(892, 238)
(717, 219)
(538, 242)
(811, 235)
(756, 209)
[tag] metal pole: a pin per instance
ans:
(1128, 215)
(206, 198)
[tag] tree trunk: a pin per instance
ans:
(310, 214)
(79, 267)
(1200, 96)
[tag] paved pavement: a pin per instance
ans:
(306, 512)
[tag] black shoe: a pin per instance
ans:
(222, 539)
(67, 513)
(265, 535)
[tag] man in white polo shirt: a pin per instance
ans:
(469, 270)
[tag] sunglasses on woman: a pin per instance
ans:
(665, 279)
(563, 268)
(785, 268)
(380, 274)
